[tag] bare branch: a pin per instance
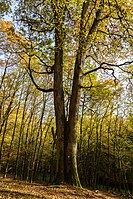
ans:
(117, 65)
(107, 68)
(39, 4)
(92, 70)
(40, 73)
(31, 76)
(91, 86)
(97, 19)
(49, 69)
(42, 30)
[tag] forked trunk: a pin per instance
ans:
(66, 130)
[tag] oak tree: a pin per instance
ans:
(81, 37)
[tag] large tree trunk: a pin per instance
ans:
(71, 172)
(59, 98)
(60, 116)
(67, 130)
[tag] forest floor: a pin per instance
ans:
(13, 189)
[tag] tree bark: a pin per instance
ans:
(59, 97)
(72, 126)
(67, 130)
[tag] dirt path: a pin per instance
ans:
(11, 189)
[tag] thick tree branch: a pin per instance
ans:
(97, 19)
(49, 69)
(38, 4)
(32, 79)
(39, 72)
(42, 30)
(86, 87)
(117, 65)
(107, 68)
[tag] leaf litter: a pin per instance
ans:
(14, 189)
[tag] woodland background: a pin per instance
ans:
(27, 119)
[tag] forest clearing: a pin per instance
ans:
(18, 189)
